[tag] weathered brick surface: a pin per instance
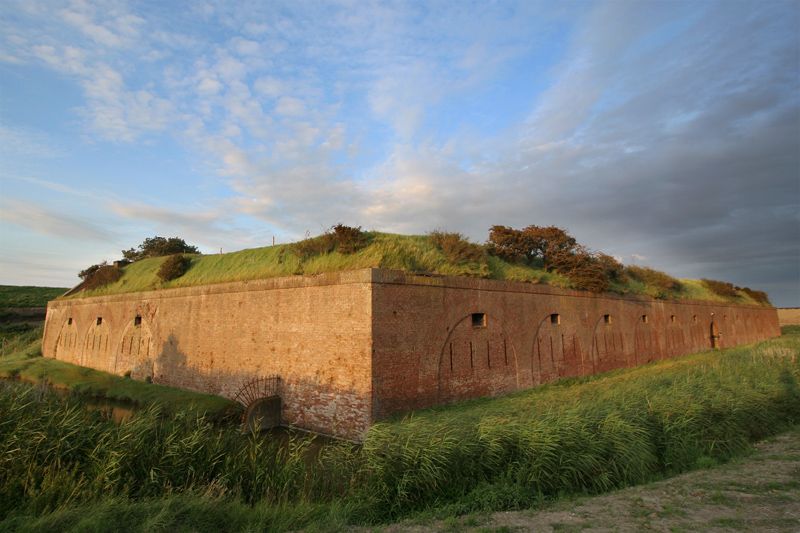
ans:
(354, 347)
(426, 350)
(313, 332)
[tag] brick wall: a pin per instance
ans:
(313, 332)
(438, 340)
(353, 347)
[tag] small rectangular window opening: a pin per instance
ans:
(555, 319)
(99, 320)
(478, 320)
(694, 318)
(607, 319)
(137, 321)
(69, 321)
(672, 318)
(644, 319)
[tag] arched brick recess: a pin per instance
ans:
(135, 351)
(556, 350)
(697, 332)
(67, 346)
(476, 361)
(645, 337)
(674, 336)
(96, 348)
(608, 345)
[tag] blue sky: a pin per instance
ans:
(665, 133)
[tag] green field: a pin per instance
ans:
(410, 253)
(17, 296)
(63, 467)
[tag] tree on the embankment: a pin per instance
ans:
(102, 274)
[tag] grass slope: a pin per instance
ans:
(410, 253)
(19, 296)
(62, 468)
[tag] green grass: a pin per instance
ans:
(790, 330)
(410, 253)
(65, 468)
(14, 296)
(25, 363)
(21, 340)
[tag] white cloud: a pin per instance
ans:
(269, 86)
(209, 87)
(58, 224)
(245, 47)
(288, 105)
(117, 30)
(312, 114)
(25, 142)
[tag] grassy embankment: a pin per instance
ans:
(64, 468)
(411, 253)
(19, 296)
(16, 322)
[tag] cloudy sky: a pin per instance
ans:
(665, 133)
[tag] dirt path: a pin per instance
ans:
(757, 493)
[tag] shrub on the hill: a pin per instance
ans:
(548, 244)
(173, 267)
(97, 276)
(759, 296)
(614, 270)
(663, 284)
(722, 288)
(88, 271)
(348, 239)
(321, 244)
(557, 251)
(584, 270)
(511, 244)
(456, 247)
(159, 247)
(341, 238)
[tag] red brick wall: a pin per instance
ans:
(426, 350)
(313, 332)
(356, 346)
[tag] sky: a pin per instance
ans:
(666, 134)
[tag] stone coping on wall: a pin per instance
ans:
(348, 277)
(380, 276)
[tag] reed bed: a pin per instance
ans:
(61, 464)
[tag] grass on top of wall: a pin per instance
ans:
(573, 437)
(410, 253)
(19, 296)
(26, 364)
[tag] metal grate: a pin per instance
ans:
(258, 388)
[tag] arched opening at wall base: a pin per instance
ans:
(715, 336)
(262, 414)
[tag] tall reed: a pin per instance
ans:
(585, 436)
